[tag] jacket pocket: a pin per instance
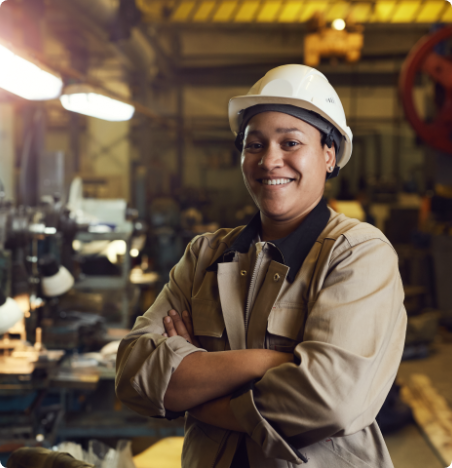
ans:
(208, 324)
(284, 327)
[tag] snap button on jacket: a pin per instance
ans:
(341, 315)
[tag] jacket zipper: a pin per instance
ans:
(251, 288)
(247, 312)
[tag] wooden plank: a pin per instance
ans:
(432, 413)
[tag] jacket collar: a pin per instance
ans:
(292, 249)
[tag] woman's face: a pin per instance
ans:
(284, 165)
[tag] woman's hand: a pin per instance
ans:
(177, 326)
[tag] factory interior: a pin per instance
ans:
(100, 196)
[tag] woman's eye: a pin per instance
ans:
(290, 143)
(253, 146)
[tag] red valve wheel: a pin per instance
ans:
(422, 58)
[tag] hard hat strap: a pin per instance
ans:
(328, 139)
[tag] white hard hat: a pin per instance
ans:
(303, 87)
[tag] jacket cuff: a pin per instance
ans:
(152, 379)
(259, 429)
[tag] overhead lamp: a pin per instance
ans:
(10, 313)
(27, 78)
(55, 279)
(88, 100)
(338, 24)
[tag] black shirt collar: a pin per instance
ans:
(292, 249)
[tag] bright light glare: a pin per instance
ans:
(26, 79)
(134, 252)
(338, 24)
(116, 248)
(97, 105)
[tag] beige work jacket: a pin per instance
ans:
(342, 316)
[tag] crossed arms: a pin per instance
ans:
(203, 382)
(346, 363)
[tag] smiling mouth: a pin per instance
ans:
(275, 181)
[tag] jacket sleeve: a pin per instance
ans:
(347, 362)
(146, 360)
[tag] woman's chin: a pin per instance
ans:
(276, 212)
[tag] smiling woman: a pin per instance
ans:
(278, 340)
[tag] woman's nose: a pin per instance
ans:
(271, 159)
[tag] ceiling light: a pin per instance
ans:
(338, 24)
(87, 100)
(27, 78)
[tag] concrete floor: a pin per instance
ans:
(408, 447)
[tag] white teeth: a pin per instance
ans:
(275, 181)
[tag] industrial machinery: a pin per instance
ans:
(426, 58)
(27, 234)
(104, 250)
(431, 59)
(65, 270)
(43, 249)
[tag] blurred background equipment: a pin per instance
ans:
(115, 152)
(55, 279)
(430, 58)
(10, 313)
(342, 39)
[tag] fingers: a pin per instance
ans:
(169, 327)
(179, 324)
(175, 326)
